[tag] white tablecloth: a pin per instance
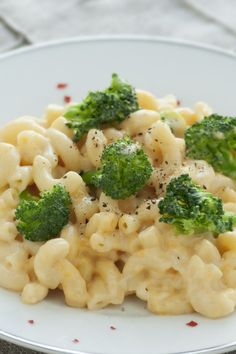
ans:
(24, 22)
(30, 21)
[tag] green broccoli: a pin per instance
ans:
(26, 195)
(192, 209)
(109, 106)
(214, 140)
(124, 169)
(43, 218)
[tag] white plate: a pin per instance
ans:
(28, 81)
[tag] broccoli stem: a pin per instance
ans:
(26, 195)
(229, 216)
(92, 177)
(225, 162)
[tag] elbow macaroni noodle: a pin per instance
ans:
(111, 248)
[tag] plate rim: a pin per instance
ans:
(118, 38)
(29, 344)
(34, 345)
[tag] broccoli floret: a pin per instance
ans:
(192, 209)
(124, 170)
(43, 219)
(109, 106)
(214, 140)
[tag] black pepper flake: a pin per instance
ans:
(64, 177)
(104, 205)
(93, 199)
(204, 187)
(160, 185)
(148, 207)
(140, 134)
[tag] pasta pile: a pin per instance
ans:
(113, 248)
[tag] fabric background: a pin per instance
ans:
(23, 22)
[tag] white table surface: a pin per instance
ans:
(23, 22)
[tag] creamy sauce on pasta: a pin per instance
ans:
(111, 248)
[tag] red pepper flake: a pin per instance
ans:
(67, 99)
(62, 85)
(113, 328)
(31, 322)
(75, 341)
(192, 324)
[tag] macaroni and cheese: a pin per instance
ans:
(113, 248)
